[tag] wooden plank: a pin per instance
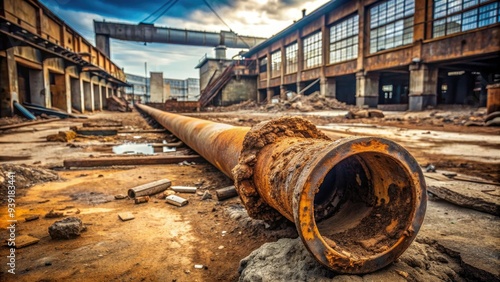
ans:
(25, 240)
(97, 132)
(24, 124)
(130, 160)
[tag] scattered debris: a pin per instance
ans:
(206, 195)
(198, 266)
(370, 113)
(149, 188)
(120, 197)
(103, 123)
(25, 240)
(26, 176)
(32, 217)
(124, 216)
(116, 104)
(68, 228)
(139, 160)
(430, 168)
(176, 200)
(226, 193)
(141, 200)
(62, 136)
(184, 189)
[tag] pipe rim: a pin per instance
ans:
(305, 191)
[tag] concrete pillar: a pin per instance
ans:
(88, 96)
(327, 87)
(423, 87)
(9, 89)
(367, 88)
(156, 87)
(270, 94)
(67, 86)
(76, 85)
(300, 85)
(102, 43)
(97, 96)
(46, 85)
(37, 87)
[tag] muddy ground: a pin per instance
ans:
(165, 242)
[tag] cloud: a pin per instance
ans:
(261, 18)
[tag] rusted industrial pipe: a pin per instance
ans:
(357, 202)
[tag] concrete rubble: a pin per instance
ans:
(68, 228)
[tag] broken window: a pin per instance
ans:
(452, 16)
(312, 50)
(344, 40)
(263, 64)
(391, 24)
(276, 63)
(291, 58)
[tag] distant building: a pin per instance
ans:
(179, 89)
(139, 89)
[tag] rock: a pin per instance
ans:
(206, 196)
(67, 228)
(54, 214)
(376, 113)
(120, 197)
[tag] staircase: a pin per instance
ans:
(216, 85)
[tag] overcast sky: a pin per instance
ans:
(261, 18)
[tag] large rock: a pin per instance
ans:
(289, 260)
(68, 228)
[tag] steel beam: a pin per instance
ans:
(357, 203)
(150, 33)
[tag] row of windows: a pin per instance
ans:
(452, 16)
(391, 25)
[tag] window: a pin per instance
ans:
(263, 64)
(312, 50)
(291, 58)
(452, 16)
(391, 24)
(344, 40)
(276, 63)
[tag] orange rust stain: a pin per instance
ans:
(372, 145)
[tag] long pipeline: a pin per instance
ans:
(357, 202)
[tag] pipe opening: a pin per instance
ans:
(364, 204)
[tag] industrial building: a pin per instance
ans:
(391, 54)
(46, 63)
(171, 88)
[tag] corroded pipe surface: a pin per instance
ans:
(357, 202)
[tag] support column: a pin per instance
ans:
(67, 94)
(77, 94)
(300, 85)
(327, 87)
(37, 87)
(423, 87)
(367, 88)
(270, 94)
(102, 43)
(9, 89)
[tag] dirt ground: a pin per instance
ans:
(165, 242)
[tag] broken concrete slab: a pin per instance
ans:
(478, 196)
(67, 228)
(176, 200)
(25, 240)
(125, 216)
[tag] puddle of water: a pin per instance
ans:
(134, 149)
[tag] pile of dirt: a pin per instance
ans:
(289, 260)
(24, 176)
(309, 103)
(117, 104)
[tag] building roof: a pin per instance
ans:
(327, 7)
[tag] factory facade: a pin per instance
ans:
(401, 54)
